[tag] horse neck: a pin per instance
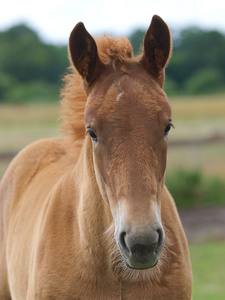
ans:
(93, 212)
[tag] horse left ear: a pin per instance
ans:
(84, 54)
(157, 49)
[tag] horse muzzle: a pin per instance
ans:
(141, 250)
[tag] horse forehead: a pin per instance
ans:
(129, 96)
(125, 94)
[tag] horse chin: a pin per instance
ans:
(128, 270)
(140, 266)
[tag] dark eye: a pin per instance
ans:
(92, 135)
(167, 129)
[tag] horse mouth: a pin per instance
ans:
(140, 267)
(140, 256)
(138, 261)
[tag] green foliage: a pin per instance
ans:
(6, 82)
(197, 65)
(34, 91)
(191, 189)
(198, 55)
(205, 81)
(170, 87)
(136, 39)
(214, 189)
(30, 70)
(25, 59)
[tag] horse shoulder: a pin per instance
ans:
(41, 163)
(31, 160)
(24, 191)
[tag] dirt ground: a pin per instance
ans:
(204, 224)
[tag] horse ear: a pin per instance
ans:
(84, 54)
(157, 49)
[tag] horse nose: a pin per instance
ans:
(141, 250)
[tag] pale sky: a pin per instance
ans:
(55, 19)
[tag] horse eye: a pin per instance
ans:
(167, 129)
(92, 135)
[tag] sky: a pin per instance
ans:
(54, 20)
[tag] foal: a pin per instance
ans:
(88, 216)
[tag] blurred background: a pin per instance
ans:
(33, 60)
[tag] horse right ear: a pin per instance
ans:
(84, 54)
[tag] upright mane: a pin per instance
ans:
(74, 99)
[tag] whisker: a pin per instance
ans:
(119, 267)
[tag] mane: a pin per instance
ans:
(110, 50)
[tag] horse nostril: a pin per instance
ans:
(123, 243)
(161, 240)
(141, 247)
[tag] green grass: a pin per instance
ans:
(208, 271)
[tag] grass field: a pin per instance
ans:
(197, 118)
(208, 271)
(21, 125)
(198, 108)
(194, 118)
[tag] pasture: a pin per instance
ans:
(195, 118)
(208, 270)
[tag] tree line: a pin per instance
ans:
(197, 65)
(30, 70)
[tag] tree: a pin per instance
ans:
(136, 39)
(196, 51)
(198, 54)
(25, 59)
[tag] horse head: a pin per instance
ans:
(127, 119)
